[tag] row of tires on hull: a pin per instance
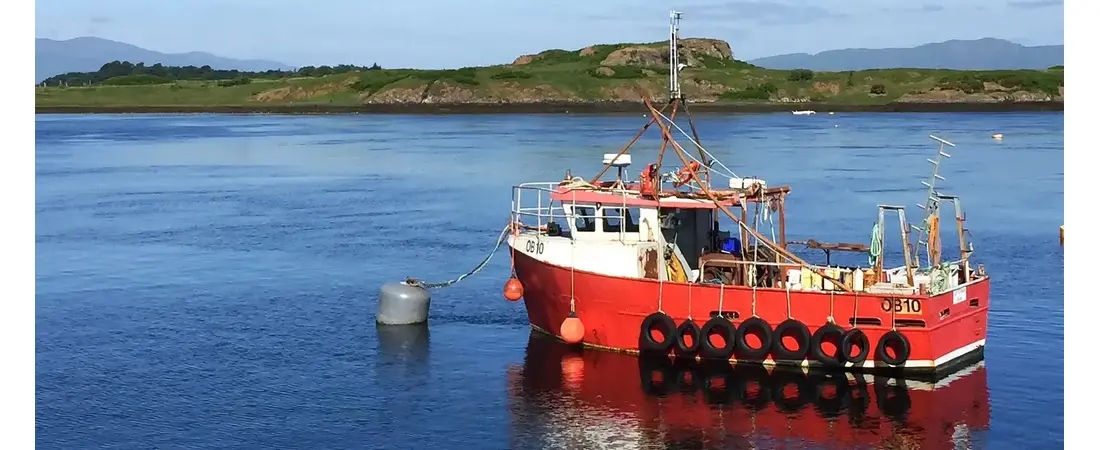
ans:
(790, 391)
(660, 335)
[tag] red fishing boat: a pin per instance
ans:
(564, 398)
(647, 266)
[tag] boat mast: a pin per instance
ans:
(674, 56)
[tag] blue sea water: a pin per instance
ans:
(210, 281)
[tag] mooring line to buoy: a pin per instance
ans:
(484, 262)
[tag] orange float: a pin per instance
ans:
(687, 173)
(513, 289)
(572, 330)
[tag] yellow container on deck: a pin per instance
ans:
(815, 280)
(846, 278)
(828, 284)
(870, 277)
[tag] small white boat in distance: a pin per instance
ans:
(803, 112)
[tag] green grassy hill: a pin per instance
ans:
(600, 73)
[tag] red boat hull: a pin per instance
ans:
(949, 330)
(579, 399)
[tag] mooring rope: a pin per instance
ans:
(721, 295)
(875, 251)
(503, 237)
(832, 304)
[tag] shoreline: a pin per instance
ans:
(553, 108)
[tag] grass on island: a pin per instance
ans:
(553, 75)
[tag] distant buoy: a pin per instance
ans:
(572, 330)
(513, 289)
(403, 303)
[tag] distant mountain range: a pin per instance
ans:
(88, 54)
(979, 54)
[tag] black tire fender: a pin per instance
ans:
(801, 334)
(656, 321)
(855, 338)
(754, 325)
(687, 329)
(823, 333)
(723, 327)
(896, 341)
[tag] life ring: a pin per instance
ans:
(687, 329)
(855, 338)
(830, 332)
(753, 325)
(687, 173)
(723, 327)
(661, 323)
(896, 342)
(801, 334)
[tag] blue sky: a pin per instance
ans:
(439, 34)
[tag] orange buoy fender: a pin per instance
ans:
(572, 330)
(513, 289)
(687, 173)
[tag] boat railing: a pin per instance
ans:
(531, 202)
(833, 271)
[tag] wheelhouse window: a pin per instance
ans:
(619, 219)
(584, 218)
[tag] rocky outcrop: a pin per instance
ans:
(637, 56)
(448, 92)
(397, 95)
(650, 55)
(826, 88)
(605, 71)
(991, 96)
(512, 92)
(714, 48)
(294, 93)
(523, 60)
(702, 90)
(443, 91)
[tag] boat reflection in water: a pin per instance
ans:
(567, 398)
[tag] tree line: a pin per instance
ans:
(120, 70)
